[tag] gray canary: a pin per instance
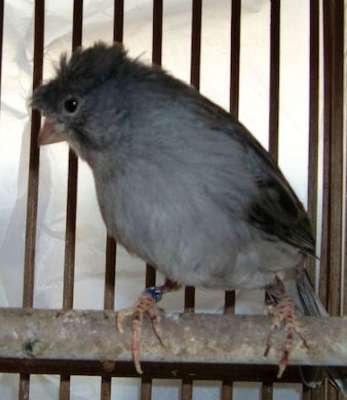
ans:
(182, 184)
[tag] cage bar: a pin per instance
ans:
(41, 334)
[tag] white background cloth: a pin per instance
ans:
(91, 234)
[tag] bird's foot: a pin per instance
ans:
(145, 304)
(284, 313)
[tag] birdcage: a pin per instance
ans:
(279, 67)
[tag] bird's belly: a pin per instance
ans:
(193, 248)
(249, 268)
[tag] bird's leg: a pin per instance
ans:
(284, 313)
(145, 304)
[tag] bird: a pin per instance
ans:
(185, 186)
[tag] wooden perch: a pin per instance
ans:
(31, 337)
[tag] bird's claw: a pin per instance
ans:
(284, 313)
(146, 304)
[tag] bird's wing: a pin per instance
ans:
(275, 208)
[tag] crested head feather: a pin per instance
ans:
(89, 68)
(92, 66)
(83, 71)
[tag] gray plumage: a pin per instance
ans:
(180, 182)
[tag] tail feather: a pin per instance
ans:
(309, 300)
(312, 306)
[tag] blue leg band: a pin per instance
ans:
(155, 292)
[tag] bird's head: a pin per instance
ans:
(80, 103)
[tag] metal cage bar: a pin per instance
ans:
(71, 207)
(33, 184)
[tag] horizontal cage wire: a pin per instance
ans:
(277, 66)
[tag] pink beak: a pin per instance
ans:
(51, 132)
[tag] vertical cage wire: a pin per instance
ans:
(195, 60)
(71, 207)
(111, 246)
(235, 42)
(33, 184)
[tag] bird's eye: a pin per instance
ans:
(71, 105)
